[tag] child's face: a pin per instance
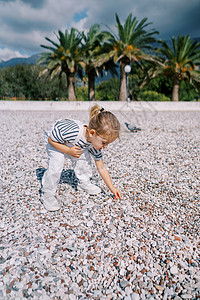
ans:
(98, 142)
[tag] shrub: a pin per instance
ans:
(82, 93)
(152, 96)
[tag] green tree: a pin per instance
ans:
(4, 85)
(179, 62)
(188, 92)
(92, 48)
(82, 93)
(64, 57)
(108, 90)
(23, 82)
(131, 44)
(161, 84)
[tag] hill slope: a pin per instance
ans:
(19, 60)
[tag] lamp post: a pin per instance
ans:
(127, 69)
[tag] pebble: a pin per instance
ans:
(135, 296)
(174, 270)
(19, 174)
(90, 223)
(43, 250)
(124, 283)
(159, 287)
(144, 246)
(77, 222)
(186, 296)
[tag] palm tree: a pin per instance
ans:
(64, 57)
(92, 48)
(180, 62)
(129, 46)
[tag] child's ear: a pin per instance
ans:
(92, 132)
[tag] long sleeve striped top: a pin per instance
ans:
(70, 132)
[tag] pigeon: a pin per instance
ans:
(131, 127)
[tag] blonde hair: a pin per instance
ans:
(104, 123)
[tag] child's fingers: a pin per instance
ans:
(76, 151)
(77, 148)
(117, 195)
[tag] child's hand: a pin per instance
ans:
(116, 193)
(75, 151)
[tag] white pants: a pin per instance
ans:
(82, 168)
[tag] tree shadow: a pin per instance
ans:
(67, 176)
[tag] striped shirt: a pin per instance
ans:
(70, 132)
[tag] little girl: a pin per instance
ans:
(76, 141)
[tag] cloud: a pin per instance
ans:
(24, 24)
(32, 3)
(6, 54)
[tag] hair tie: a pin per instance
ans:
(102, 109)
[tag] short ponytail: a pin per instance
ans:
(94, 111)
(104, 123)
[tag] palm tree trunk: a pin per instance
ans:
(91, 85)
(71, 87)
(122, 91)
(175, 91)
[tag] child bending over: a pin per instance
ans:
(76, 141)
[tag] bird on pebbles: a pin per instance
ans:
(132, 128)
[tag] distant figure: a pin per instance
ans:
(76, 141)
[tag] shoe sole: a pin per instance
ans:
(51, 209)
(90, 193)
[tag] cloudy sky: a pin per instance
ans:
(24, 24)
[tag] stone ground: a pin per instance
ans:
(144, 246)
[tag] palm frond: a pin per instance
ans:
(52, 42)
(119, 28)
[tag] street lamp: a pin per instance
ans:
(127, 69)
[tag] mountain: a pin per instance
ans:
(33, 59)
(20, 60)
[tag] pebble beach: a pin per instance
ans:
(144, 246)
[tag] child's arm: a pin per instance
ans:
(73, 151)
(106, 178)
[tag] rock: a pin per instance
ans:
(159, 287)
(186, 296)
(90, 223)
(124, 283)
(135, 296)
(174, 270)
